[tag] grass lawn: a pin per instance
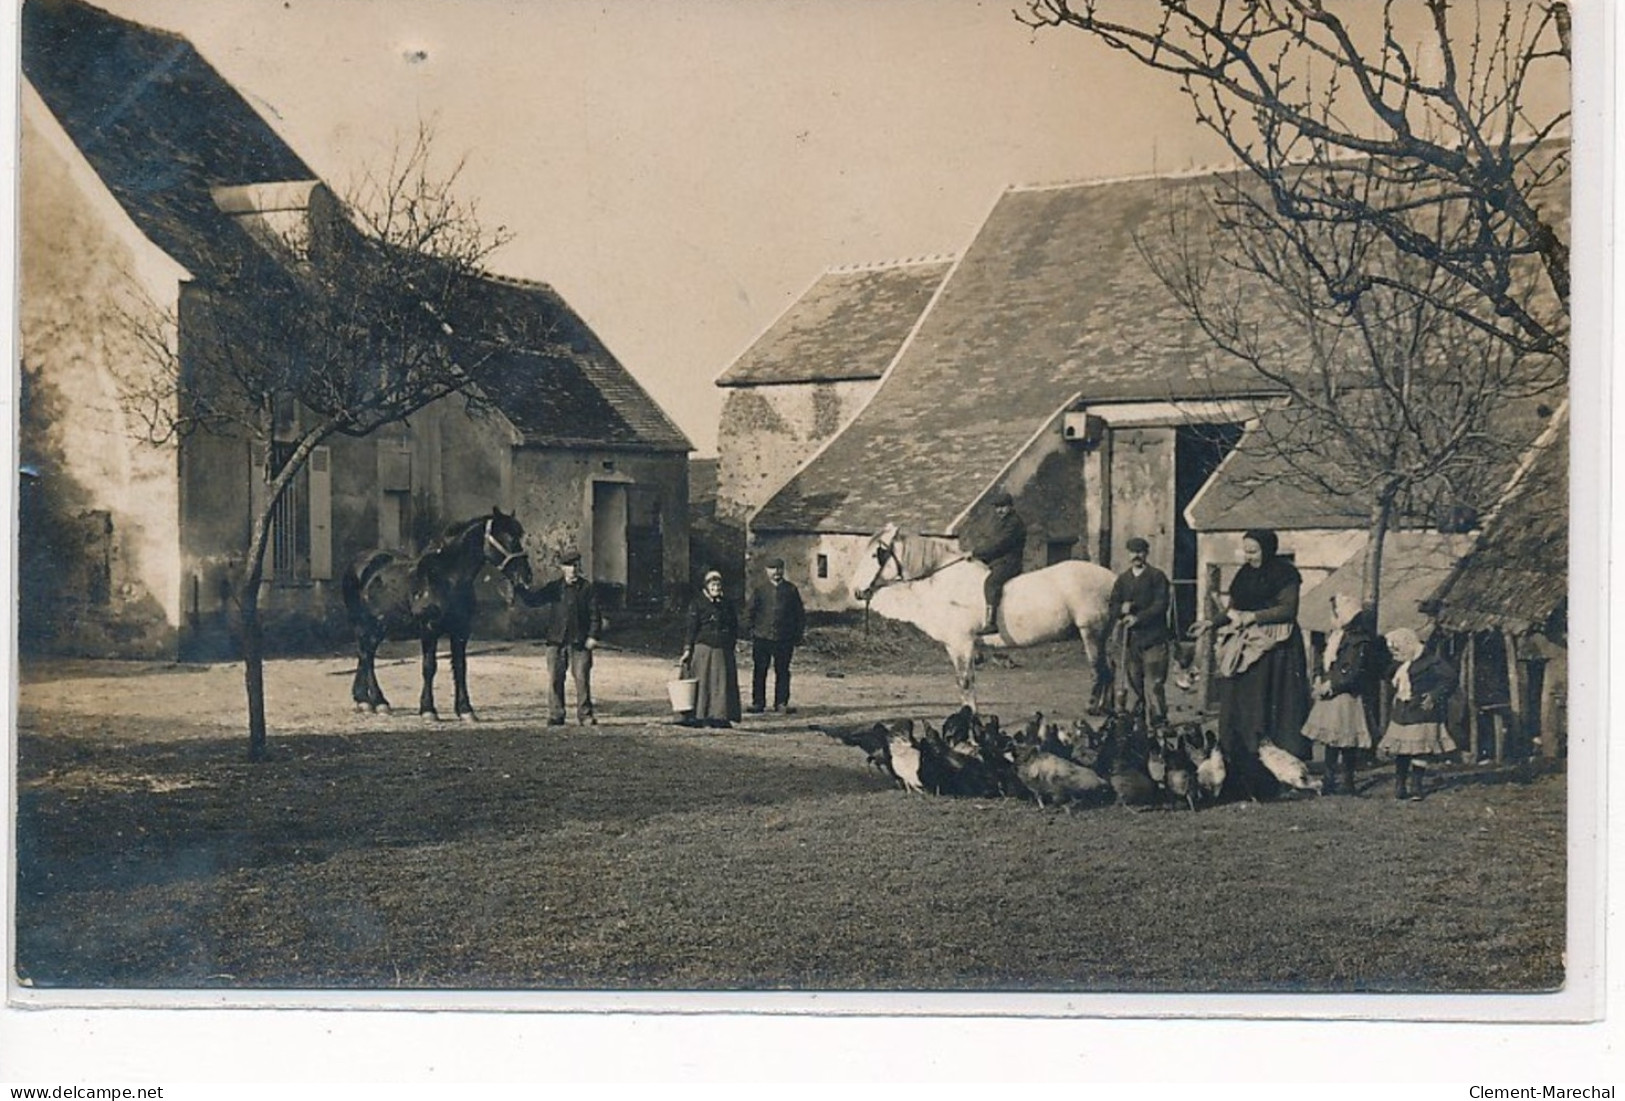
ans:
(650, 857)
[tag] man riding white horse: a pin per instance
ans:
(1002, 551)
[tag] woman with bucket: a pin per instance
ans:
(711, 633)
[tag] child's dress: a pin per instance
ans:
(1354, 674)
(1416, 721)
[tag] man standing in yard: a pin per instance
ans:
(774, 622)
(1002, 551)
(571, 629)
(1139, 601)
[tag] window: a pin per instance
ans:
(823, 565)
(290, 528)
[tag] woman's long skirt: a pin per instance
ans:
(717, 694)
(1268, 699)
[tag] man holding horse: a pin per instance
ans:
(1139, 602)
(571, 631)
(1002, 551)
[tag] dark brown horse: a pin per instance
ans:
(389, 595)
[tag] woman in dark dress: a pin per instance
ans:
(1264, 672)
(708, 650)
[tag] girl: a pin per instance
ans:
(1416, 721)
(1345, 712)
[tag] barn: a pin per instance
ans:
(1052, 363)
(805, 377)
(144, 174)
(1504, 609)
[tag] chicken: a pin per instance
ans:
(904, 754)
(1210, 770)
(1179, 778)
(1048, 777)
(1156, 763)
(1033, 732)
(1125, 772)
(1287, 768)
(874, 740)
(960, 727)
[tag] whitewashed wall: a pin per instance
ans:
(768, 432)
(84, 266)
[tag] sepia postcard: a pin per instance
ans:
(898, 510)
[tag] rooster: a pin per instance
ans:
(1287, 768)
(874, 740)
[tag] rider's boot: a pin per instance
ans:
(990, 623)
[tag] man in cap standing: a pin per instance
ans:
(571, 631)
(1139, 601)
(1002, 550)
(774, 621)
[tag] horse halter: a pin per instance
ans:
(508, 556)
(883, 551)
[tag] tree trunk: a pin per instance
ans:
(259, 539)
(1382, 514)
(253, 635)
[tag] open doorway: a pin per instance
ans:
(609, 535)
(1198, 451)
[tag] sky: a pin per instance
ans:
(682, 172)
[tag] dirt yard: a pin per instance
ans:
(390, 852)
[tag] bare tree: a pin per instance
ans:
(367, 314)
(1394, 395)
(1426, 122)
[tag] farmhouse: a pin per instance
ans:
(808, 374)
(1052, 363)
(144, 177)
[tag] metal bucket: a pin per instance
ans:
(684, 691)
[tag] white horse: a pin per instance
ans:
(940, 592)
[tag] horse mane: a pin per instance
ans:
(921, 557)
(453, 534)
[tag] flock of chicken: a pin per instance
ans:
(1123, 761)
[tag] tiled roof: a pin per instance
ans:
(1260, 485)
(848, 325)
(557, 382)
(158, 124)
(1414, 565)
(1518, 573)
(171, 139)
(1052, 299)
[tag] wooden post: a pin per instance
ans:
(1103, 553)
(1515, 708)
(1469, 676)
(1554, 719)
(1204, 657)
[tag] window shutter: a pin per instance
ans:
(321, 515)
(258, 491)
